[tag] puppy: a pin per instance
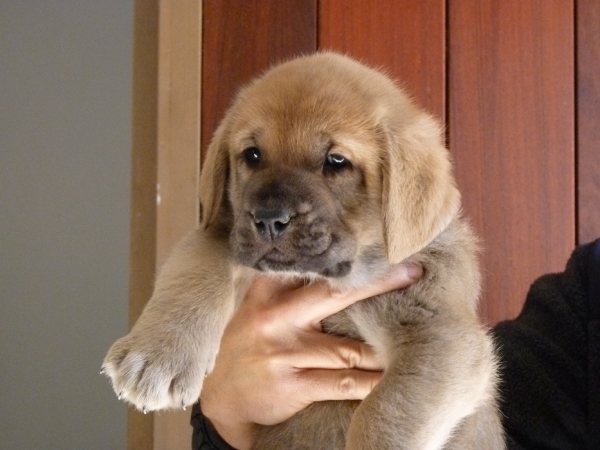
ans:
(323, 168)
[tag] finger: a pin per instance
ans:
(325, 351)
(319, 300)
(321, 385)
(266, 287)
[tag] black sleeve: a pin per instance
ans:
(547, 354)
(204, 435)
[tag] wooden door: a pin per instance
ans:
(511, 131)
(514, 82)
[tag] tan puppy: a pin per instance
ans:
(323, 168)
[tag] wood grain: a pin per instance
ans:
(166, 152)
(179, 79)
(404, 37)
(241, 40)
(588, 120)
(511, 128)
(140, 428)
(178, 148)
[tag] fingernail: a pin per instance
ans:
(414, 271)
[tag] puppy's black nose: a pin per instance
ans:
(271, 223)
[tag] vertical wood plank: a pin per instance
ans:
(241, 40)
(511, 128)
(404, 37)
(143, 187)
(588, 120)
(179, 80)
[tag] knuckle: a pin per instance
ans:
(346, 386)
(351, 357)
(336, 292)
(274, 361)
(263, 320)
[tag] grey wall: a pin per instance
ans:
(65, 118)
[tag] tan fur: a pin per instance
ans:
(396, 202)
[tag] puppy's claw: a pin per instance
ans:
(103, 370)
(183, 405)
(120, 395)
(144, 410)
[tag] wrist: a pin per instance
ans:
(238, 435)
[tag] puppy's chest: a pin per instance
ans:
(381, 313)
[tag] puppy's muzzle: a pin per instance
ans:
(271, 223)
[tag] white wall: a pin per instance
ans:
(65, 142)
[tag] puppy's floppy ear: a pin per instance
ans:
(419, 194)
(213, 177)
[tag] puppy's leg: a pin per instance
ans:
(480, 431)
(162, 362)
(440, 370)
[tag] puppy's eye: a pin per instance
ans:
(252, 156)
(335, 163)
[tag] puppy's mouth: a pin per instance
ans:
(277, 256)
(276, 261)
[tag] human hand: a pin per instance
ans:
(274, 360)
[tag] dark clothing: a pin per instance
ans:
(550, 364)
(550, 358)
(204, 436)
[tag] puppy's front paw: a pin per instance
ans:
(154, 373)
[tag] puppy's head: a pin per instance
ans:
(322, 162)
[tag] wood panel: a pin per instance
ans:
(140, 428)
(242, 39)
(179, 79)
(405, 37)
(588, 120)
(511, 129)
(166, 152)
